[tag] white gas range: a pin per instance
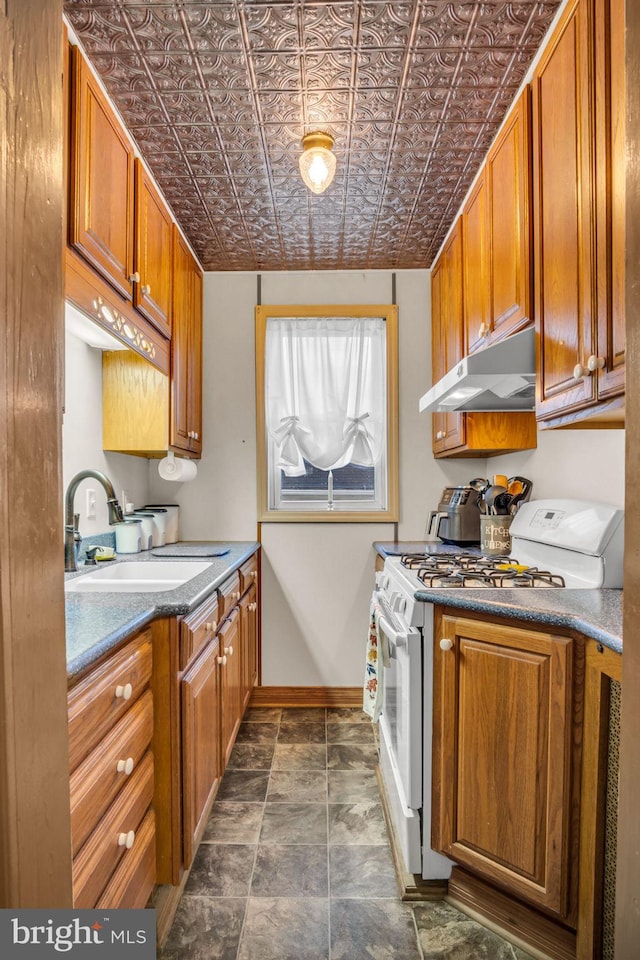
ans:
(556, 544)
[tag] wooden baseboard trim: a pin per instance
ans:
(306, 697)
(529, 929)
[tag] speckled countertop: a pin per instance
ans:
(594, 613)
(98, 622)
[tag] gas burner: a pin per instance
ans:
(468, 570)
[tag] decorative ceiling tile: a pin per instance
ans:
(218, 94)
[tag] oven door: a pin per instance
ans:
(401, 713)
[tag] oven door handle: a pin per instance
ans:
(399, 638)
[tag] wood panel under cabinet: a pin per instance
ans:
(102, 182)
(135, 405)
(504, 799)
(153, 246)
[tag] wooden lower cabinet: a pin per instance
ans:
(110, 713)
(249, 635)
(505, 759)
(230, 682)
(201, 768)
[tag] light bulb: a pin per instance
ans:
(317, 162)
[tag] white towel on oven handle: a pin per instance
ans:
(377, 658)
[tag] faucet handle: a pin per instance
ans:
(76, 528)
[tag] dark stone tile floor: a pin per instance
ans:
(295, 862)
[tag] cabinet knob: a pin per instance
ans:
(235, 595)
(196, 435)
(134, 277)
(439, 435)
(126, 839)
(580, 372)
(252, 606)
(222, 661)
(145, 289)
(446, 643)
(228, 651)
(254, 574)
(483, 329)
(125, 766)
(212, 626)
(595, 363)
(124, 691)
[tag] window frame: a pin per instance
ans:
(389, 313)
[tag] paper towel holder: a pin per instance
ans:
(176, 468)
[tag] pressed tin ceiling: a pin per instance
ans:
(218, 96)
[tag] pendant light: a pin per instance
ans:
(317, 162)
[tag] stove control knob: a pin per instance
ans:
(446, 644)
(380, 579)
(401, 605)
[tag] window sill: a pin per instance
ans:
(327, 516)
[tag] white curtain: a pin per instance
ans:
(325, 391)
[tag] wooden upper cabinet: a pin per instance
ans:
(102, 182)
(578, 118)
(447, 334)
(508, 179)
(186, 351)
(153, 259)
(503, 758)
(475, 222)
(610, 117)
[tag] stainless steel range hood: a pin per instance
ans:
(500, 377)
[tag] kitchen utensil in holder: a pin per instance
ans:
(495, 535)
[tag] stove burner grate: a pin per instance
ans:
(469, 570)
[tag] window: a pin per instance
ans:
(326, 392)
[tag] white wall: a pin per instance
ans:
(82, 438)
(582, 464)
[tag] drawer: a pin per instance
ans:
(228, 595)
(98, 701)
(197, 629)
(133, 881)
(97, 780)
(99, 857)
(248, 573)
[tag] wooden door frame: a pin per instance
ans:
(35, 834)
(627, 933)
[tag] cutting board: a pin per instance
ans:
(191, 550)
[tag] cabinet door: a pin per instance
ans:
(201, 766)
(563, 136)
(231, 682)
(476, 268)
(186, 351)
(502, 757)
(508, 174)
(153, 261)
(101, 216)
(447, 334)
(249, 614)
(610, 113)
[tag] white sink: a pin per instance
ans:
(138, 576)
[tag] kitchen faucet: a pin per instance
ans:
(71, 533)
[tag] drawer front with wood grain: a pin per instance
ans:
(228, 595)
(132, 883)
(98, 701)
(248, 573)
(96, 782)
(197, 629)
(114, 835)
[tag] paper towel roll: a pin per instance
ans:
(175, 468)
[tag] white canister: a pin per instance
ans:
(173, 517)
(128, 535)
(147, 519)
(160, 515)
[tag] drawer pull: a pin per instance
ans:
(126, 839)
(254, 574)
(446, 643)
(212, 626)
(252, 606)
(222, 661)
(235, 595)
(125, 766)
(146, 289)
(124, 691)
(228, 652)
(134, 277)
